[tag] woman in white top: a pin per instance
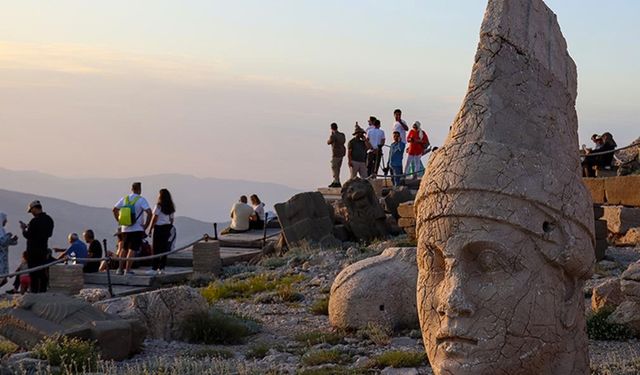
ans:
(256, 221)
(162, 228)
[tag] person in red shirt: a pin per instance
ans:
(417, 141)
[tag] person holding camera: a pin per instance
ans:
(357, 153)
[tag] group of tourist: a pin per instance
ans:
(600, 156)
(365, 150)
(136, 221)
(245, 217)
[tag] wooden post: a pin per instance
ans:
(66, 278)
(206, 258)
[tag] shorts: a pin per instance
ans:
(133, 241)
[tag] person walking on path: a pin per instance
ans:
(240, 214)
(395, 158)
(162, 228)
(128, 212)
(357, 153)
(376, 138)
(37, 233)
(94, 251)
(418, 141)
(400, 126)
(6, 239)
(338, 151)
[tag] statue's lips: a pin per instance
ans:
(456, 339)
(455, 346)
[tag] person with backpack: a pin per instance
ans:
(129, 212)
(417, 141)
(162, 230)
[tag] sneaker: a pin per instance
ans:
(160, 272)
(119, 272)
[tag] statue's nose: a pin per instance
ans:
(455, 301)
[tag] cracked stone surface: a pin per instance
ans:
(504, 223)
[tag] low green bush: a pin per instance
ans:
(598, 328)
(335, 370)
(318, 337)
(211, 353)
(320, 306)
(71, 354)
(247, 287)
(400, 359)
(216, 327)
(7, 347)
(258, 350)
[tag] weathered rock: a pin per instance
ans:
(379, 290)
(406, 210)
(596, 188)
(40, 315)
(631, 238)
(306, 217)
(398, 195)
(161, 311)
(623, 190)
(606, 295)
(364, 217)
(631, 289)
(506, 228)
(92, 295)
(632, 272)
(628, 313)
(620, 219)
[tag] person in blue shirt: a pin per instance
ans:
(396, 155)
(76, 247)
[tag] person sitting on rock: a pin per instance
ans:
(240, 213)
(76, 249)
(604, 143)
(94, 251)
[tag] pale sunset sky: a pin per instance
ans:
(247, 89)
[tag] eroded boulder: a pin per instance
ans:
(607, 294)
(37, 316)
(364, 217)
(379, 290)
(306, 217)
(160, 311)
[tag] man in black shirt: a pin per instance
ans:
(357, 153)
(37, 233)
(94, 249)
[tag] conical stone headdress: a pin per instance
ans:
(512, 152)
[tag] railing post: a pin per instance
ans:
(215, 231)
(264, 230)
(109, 287)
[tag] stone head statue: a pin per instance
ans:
(504, 224)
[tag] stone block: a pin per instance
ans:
(631, 238)
(620, 219)
(206, 258)
(307, 218)
(596, 188)
(607, 295)
(628, 313)
(406, 210)
(623, 190)
(631, 289)
(410, 231)
(407, 222)
(632, 272)
(66, 278)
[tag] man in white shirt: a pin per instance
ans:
(240, 213)
(376, 138)
(134, 233)
(400, 125)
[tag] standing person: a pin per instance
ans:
(128, 212)
(256, 220)
(336, 141)
(418, 141)
(376, 139)
(395, 158)
(37, 233)
(94, 251)
(240, 214)
(6, 240)
(400, 126)
(161, 228)
(357, 153)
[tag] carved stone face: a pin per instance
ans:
(489, 302)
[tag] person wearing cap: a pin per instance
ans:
(357, 153)
(135, 233)
(336, 141)
(417, 141)
(37, 233)
(400, 126)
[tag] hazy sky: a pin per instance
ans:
(247, 89)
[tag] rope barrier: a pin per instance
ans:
(635, 144)
(106, 258)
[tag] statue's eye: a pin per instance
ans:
(489, 261)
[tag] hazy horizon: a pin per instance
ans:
(246, 90)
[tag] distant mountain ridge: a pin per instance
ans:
(205, 199)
